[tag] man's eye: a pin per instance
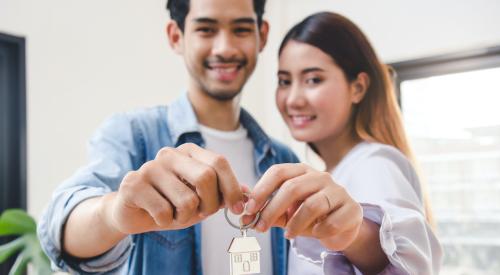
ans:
(242, 30)
(206, 30)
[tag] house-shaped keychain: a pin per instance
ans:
(244, 255)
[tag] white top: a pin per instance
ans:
(216, 233)
(384, 182)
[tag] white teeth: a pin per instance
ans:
(301, 119)
(226, 70)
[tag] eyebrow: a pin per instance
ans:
(244, 20)
(304, 71)
(313, 69)
(207, 20)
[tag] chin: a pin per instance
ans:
(310, 135)
(302, 137)
(223, 94)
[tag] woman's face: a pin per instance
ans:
(314, 97)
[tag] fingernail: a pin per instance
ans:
(261, 226)
(238, 207)
(250, 206)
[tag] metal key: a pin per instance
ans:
(244, 251)
(244, 255)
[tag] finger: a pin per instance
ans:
(293, 190)
(246, 190)
(195, 174)
(160, 209)
(227, 183)
(293, 208)
(283, 219)
(272, 179)
(280, 221)
(247, 219)
(343, 219)
(312, 209)
(185, 200)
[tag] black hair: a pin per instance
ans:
(180, 8)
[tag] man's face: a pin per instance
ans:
(220, 44)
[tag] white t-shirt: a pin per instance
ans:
(216, 233)
(384, 182)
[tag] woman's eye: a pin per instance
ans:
(283, 82)
(313, 80)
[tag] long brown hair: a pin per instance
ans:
(377, 117)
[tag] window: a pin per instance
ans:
(254, 257)
(12, 127)
(451, 111)
(238, 258)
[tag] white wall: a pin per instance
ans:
(88, 59)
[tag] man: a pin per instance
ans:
(148, 201)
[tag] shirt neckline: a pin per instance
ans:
(240, 133)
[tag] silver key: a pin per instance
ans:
(244, 255)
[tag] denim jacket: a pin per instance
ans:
(122, 144)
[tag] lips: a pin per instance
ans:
(224, 71)
(301, 121)
(226, 74)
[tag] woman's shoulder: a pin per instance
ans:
(367, 158)
(372, 153)
(384, 163)
(374, 156)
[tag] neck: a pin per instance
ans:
(333, 149)
(213, 113)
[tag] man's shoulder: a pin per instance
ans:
(146, 114)
(144, 118)
(137, 123)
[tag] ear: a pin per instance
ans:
(263, 33)
(175, 37)
(359, 87)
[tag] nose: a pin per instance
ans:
(296, 97)
(225, 45)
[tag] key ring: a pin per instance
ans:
(242, 227)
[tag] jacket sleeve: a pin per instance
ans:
(114, 150)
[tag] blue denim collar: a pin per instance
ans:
(182, 120)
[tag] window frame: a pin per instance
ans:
(13, 125)
(12, 128)
(458, 62)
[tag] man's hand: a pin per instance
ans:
(177, 189)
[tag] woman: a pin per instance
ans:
(367, 212)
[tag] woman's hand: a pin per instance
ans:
(306, 202)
